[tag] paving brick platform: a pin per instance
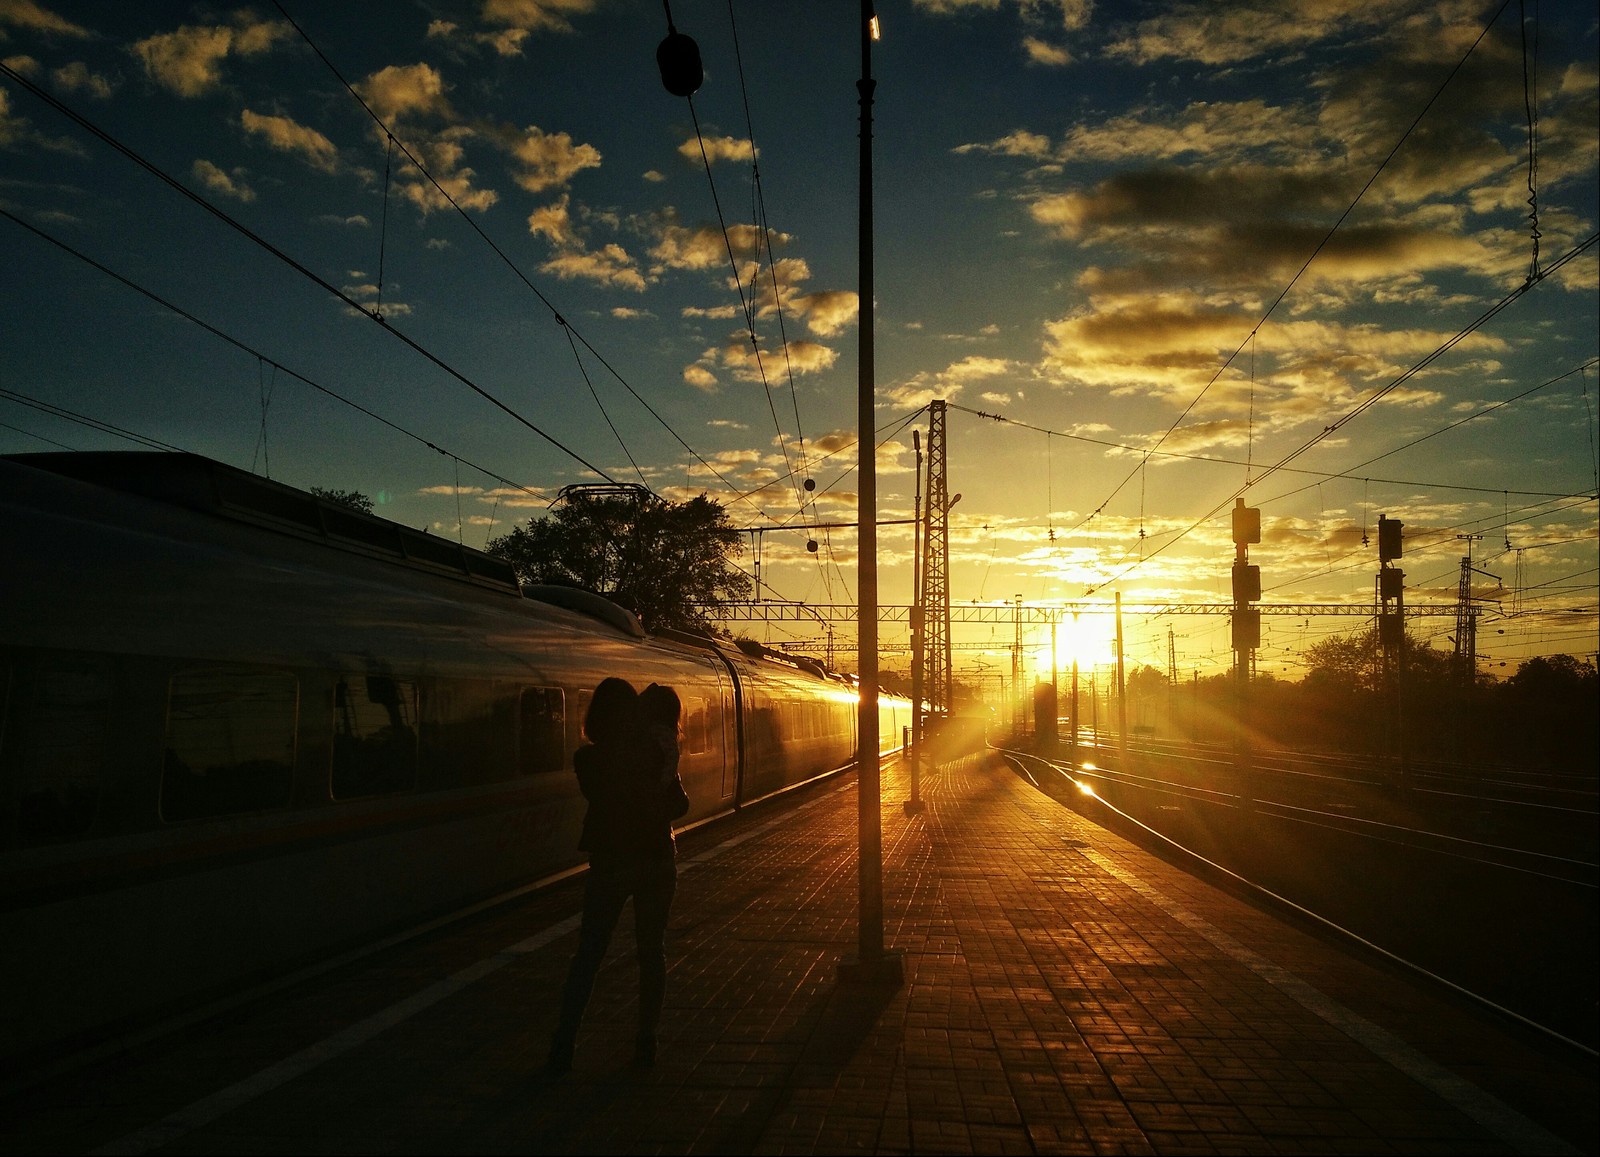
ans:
(1064, 992)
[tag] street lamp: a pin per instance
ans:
(871, 964)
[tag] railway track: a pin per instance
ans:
(1485, 885)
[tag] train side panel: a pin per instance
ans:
(226, 752)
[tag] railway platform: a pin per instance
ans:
(1063, 992)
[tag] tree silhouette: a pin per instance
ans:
(354, 499)
(662, 560)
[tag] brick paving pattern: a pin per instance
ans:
(1064, 992)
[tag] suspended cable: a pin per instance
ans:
(506, 260)
(566, 329)
(383, 231)
(31, 434)
(1326, 474)
(85, 420)
(298, 267)
(1530, 102)
(257, 354)
(1322, 244)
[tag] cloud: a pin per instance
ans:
(625, 313)
(922, 388)
(717, 149)
(404, 90)
(1039, 52)
(828, 311)
(1232, 33)
(286, 135)
(1175, 346)
(12, 127)
(218, 181)
(189, 61)
(443, 154)
(608, 265)
(451, 491)
(76, 77)
(35, 18)
(553, 222)
(515, 497)
(1017, 143)
(715, 312)
(547, 160)
(737, 357)
(706, 246)
(700, 378)
(535, 15)
(367, 294)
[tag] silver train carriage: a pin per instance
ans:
(244, 729)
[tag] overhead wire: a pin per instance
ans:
(1493, 311)
(298, 266)
(1322, 244)
(85, 420)
(1348, 472)
(262, 358)
(764, 233)
(506, 259)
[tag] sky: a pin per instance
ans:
(1154, 257)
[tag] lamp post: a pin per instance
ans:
(871, 963)
(681, 74)
(919, 611)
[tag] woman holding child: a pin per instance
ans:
(629, 774)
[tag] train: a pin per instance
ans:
(245, 728)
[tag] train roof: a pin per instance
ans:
(212, 487)
(212, 509)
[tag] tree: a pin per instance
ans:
(665, 561)
(354, 499)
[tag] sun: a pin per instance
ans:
(1086, 640)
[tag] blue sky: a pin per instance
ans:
(1172, 245)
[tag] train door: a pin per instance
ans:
(723, 727)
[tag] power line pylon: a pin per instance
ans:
(935, 593)
(1466, 637)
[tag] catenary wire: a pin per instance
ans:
(253, 352)
(237, 225)
(506, 260)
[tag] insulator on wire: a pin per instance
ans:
(678, 58)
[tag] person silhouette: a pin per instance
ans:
(630, 778)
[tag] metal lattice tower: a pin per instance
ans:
(935, 593)
(1466, 636)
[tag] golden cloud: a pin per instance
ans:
(286, 135)
(189, 61)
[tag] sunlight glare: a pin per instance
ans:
(1086, 640)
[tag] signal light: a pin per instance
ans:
(1388, 538)
(1246, 524)
(1246, 582)
(1391, 582)
(1246, 629)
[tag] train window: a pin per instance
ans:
(584, 697)
(374, 736)
(696, 726)
(544, 729)
(230, 742)
(58, 781)
(468, 733)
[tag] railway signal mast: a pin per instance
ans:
(1392, 632)
(1246, 626)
